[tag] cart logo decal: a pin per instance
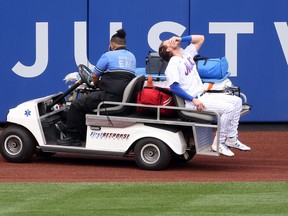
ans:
(106, 135)
(27, 112)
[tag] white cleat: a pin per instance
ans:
(234, 142)
(223, 149)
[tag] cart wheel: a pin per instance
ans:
(152, 154)
(17, 144)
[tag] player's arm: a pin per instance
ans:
(177, 90)
(196, 40)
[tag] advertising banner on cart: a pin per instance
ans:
(42, 41)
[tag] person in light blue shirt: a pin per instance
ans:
(118, 58)
(112, 73)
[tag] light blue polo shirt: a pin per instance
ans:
(121, 59)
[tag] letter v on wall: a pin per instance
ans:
(282, 31)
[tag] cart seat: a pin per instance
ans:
(129, 96)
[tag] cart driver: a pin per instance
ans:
(111, 87)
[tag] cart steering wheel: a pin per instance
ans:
(85, 74)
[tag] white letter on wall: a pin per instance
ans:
(282, 31)
(114, 26)
(41, 61)
(80, 44)
(231, 31)
(157, 29)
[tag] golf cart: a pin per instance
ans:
(33, 127)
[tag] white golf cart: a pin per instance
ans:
(34, 127)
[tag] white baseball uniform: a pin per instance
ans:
(183, 70)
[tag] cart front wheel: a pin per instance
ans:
(17, 144)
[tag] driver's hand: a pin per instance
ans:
(95, 79)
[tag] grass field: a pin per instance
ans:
(235, 198)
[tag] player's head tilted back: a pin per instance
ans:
(168, 47)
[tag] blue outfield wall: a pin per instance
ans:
(42, 41)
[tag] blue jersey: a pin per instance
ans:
(120, 59)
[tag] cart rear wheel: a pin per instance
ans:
(17, 144)
(152, 154)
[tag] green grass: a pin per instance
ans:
(53, 199)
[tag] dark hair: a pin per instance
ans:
(163, 52)
(120, 37)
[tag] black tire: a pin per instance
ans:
(152, 154)
(17, 144)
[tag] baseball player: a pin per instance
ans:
(185, 82)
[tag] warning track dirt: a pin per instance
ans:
(267, 161)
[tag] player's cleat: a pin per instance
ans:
(234, 142)
(223, 149)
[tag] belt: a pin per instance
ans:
(200, 95)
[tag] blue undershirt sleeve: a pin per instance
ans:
(186, 39)
(176, 89)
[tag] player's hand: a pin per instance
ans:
(175, 39)
(200, 106)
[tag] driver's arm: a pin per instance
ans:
(95, 79)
